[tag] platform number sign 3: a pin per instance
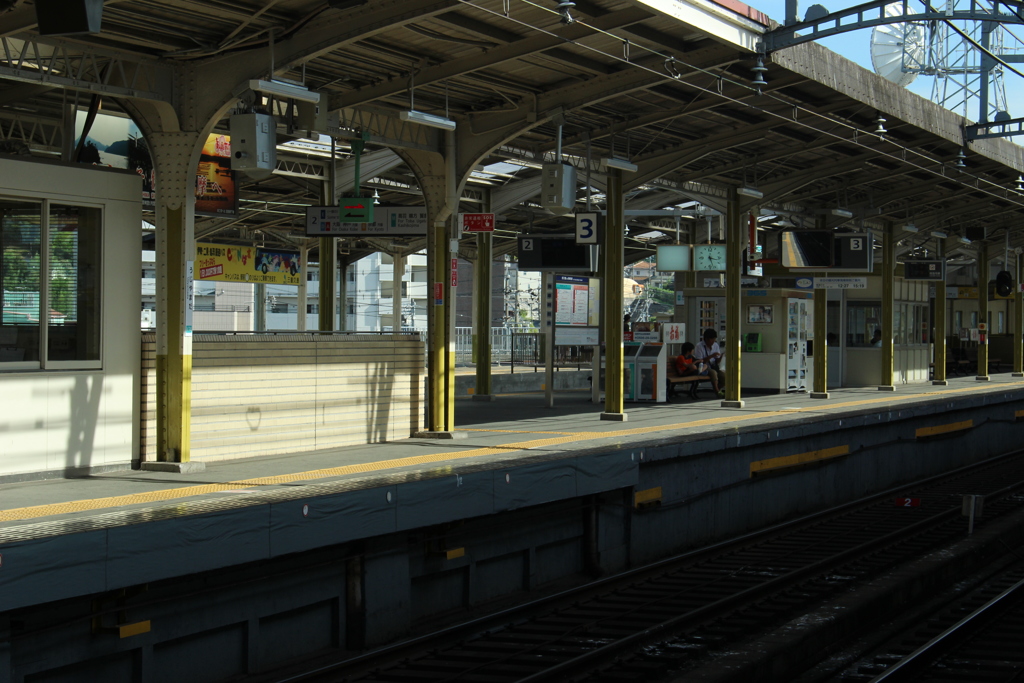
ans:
(857, 244)
(586, 228)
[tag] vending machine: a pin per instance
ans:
(797, 365)
(651, 370)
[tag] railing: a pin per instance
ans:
(519, 346)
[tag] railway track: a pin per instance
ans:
(977, 638)
(679, 614)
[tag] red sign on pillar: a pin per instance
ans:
(476, 222)
(438, 293)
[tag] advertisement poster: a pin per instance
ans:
(216, 193)
(116, 142)
(229, 263)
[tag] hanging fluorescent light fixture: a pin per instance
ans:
(910, 227)
(621, 164)
(939, 234)
(284, 90)
(842, 213)
(749, 192)
(425, 119)
(965, 240)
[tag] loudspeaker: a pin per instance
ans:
(1004, 283)
(558, 188)
(69, 17)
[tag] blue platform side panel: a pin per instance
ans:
(606, 472)
(445, 499)
(174, 547)
(301, 525)
(46, 569)
(518, 487)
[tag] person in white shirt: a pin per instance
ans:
(707, 351)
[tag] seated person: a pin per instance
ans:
(708, 351)
(685, 363)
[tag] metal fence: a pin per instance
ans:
(519, 346)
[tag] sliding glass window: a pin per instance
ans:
(56, 325)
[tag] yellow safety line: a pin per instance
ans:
(511, 431)
(36, 511)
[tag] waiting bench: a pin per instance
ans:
(673, 378)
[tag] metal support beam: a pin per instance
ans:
(1018, 322)
(734, 231)
(329, 272)
(173, 153)
(612, 255)
(983, 313)
(888, 290)
(820, 382)
(302, 293)
(939, 340)
(397, 273)
(482, 273)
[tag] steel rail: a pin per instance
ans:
(512, 615)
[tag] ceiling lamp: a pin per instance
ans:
(939, 234)
(910, 227)
(752, 192)
(842, 213)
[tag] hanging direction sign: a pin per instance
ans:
(388, 221)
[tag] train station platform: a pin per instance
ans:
(531, 497)
(515, 428)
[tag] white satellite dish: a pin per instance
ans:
(897, 47)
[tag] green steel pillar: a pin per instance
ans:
(888, 291)
(482, 275)
(1018, 322)
(611, 253)
(983, 313)
(939, 342)
(733, 273)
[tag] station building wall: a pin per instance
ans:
(59, 415)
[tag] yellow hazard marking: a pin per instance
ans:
(943, 429)
(733, 417)
(454, 553)
(647, 496)
(1019, 415)
(798, 459)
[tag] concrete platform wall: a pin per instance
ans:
(276, 394)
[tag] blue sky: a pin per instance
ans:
(855, 47)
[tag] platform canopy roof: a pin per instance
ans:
(666, 84)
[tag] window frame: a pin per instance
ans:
(44, 362)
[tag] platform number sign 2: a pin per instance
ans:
(586, 228)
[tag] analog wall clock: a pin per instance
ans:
(709, 257)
